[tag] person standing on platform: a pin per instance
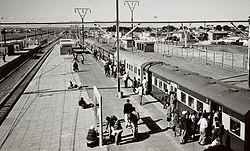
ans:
(127, 110)
(176, 125)
(203, 123)
(82, 59)
(4, 57)
(134, 85)
(134, 119)
(166, 99)
(140, 93)
(168, 114)
(125, 79)
(144, 84)
(115, 70)
(75, 66)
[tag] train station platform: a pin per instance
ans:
(7, 59)
(47, 116)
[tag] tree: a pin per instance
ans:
(201, 27)
(241, 27)
(226, 28)
(218, 27)
(184, 27)
(148, 29)
(168, 28)
(203, 36)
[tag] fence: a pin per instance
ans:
(205, 54)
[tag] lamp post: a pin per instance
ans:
(82, 13)
(131, 5)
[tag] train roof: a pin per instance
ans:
(135, 57)
(105, 47)
(229, 96)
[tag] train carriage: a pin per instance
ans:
(196, 92)
(134, 65)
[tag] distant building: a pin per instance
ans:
(179, 35)
(145, 46)
(215, 35)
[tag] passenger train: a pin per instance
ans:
(195, 93)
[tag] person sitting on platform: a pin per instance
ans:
(83, 104)
(70, 85)
(92, 139)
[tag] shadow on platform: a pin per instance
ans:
(151, 124)
(145, 103)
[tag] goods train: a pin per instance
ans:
(195, 93)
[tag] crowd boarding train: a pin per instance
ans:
(195, 93)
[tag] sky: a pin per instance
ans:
(105, 10)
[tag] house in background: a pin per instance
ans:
(215, 35)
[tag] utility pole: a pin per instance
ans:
(156, 44)
(118, 49)
(185, 34)
(82, 13)
(1, 39)
(131, 5)
(249, 52)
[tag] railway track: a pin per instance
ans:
(14, 84)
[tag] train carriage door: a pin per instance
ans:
(149, 74)
(216, 108)
(174, 87)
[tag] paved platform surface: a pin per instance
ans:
(47, 116)
(7, 59)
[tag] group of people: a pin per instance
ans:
(131, 117)
(110, 69)
(207, 125)
(140, 88)
(114, 127)
(187, 125)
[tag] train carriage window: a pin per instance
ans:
(183, 97)
(235, 126)
(165, 86)
(135, 70)
(199, 106)
(155, 82)
(139, 72)
(191, 101)
(160, 84)
(127, 65)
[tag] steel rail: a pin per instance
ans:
(7, 105)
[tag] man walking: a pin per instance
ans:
(134, 119)
(127, 110)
